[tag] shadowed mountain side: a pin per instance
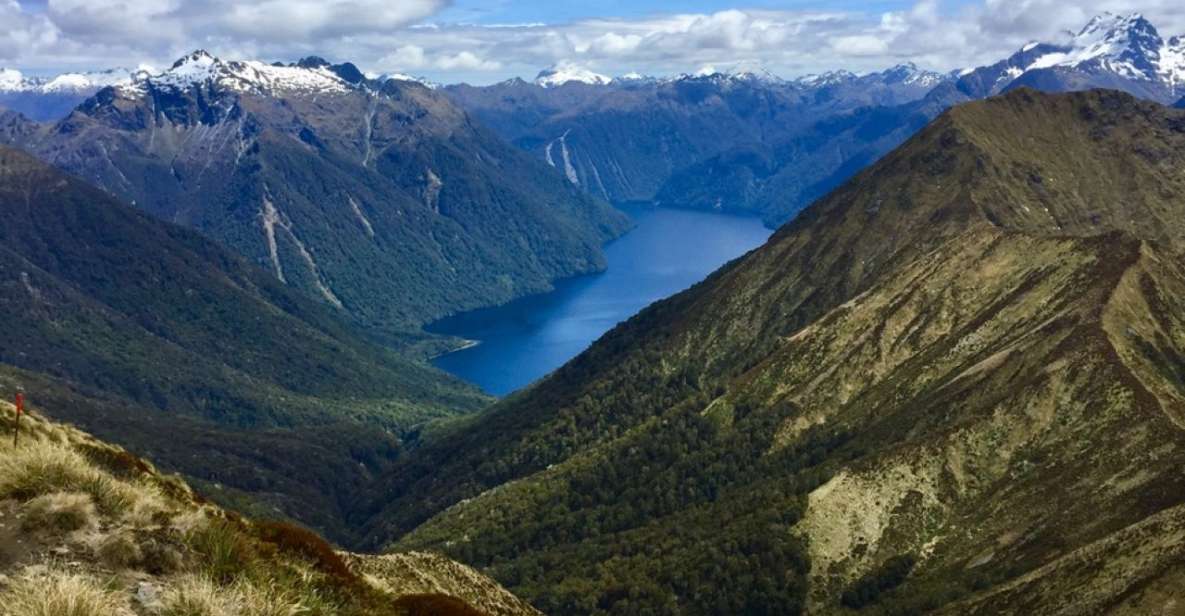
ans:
(150, 321)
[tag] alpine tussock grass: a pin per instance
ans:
(105, 534)
(53, 592)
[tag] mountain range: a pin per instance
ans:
(381, 199)
(641, 139)
(952, 382)
(955, 385)
(45, 99)
(752, 142)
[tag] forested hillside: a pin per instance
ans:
(956, 383)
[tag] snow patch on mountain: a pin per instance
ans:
(432, 85)
(200, 68)
(829, 78)
(909, 74)
(566, 72)
(12, 80)
(1172, 63)
(1124, 45)
(905, 74)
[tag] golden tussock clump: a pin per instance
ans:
(102, 533)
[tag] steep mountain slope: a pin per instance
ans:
(641, 138)
(956, 383)
(15, 126)
(154, 337)
(91, 530)
(779, 180)
(620, 141)
(1121, 52)
(383, 200)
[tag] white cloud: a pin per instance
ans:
(859, 45)
(465, 61)
(383, 36)
(406, 57)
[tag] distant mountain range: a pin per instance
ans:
(381, 198)
(641, 139)
(752, 142)
(44, 99)
(749, 141)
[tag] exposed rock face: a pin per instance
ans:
(381, 198)
(425, 573)
(163, 341)
(969, 359)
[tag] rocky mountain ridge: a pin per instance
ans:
(382, 199)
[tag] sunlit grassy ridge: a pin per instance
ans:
(91, 530)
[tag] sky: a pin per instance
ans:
(484, 41)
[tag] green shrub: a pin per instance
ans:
(224, 551)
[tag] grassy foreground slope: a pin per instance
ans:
(91, 530)
(955, 384)
(156, 338)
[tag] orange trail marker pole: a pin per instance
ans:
(20, 410)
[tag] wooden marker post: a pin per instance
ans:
(20, 410)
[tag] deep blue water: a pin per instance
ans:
(667, 252)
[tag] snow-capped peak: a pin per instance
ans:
(66, 83)
(202, 68)
(825, 79)
(565, 72)
(1124, 45)
(908, 73)
(633, 76)
(432, 85)
(1128, 45)
(196, 60)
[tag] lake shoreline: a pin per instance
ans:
(668, 250)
